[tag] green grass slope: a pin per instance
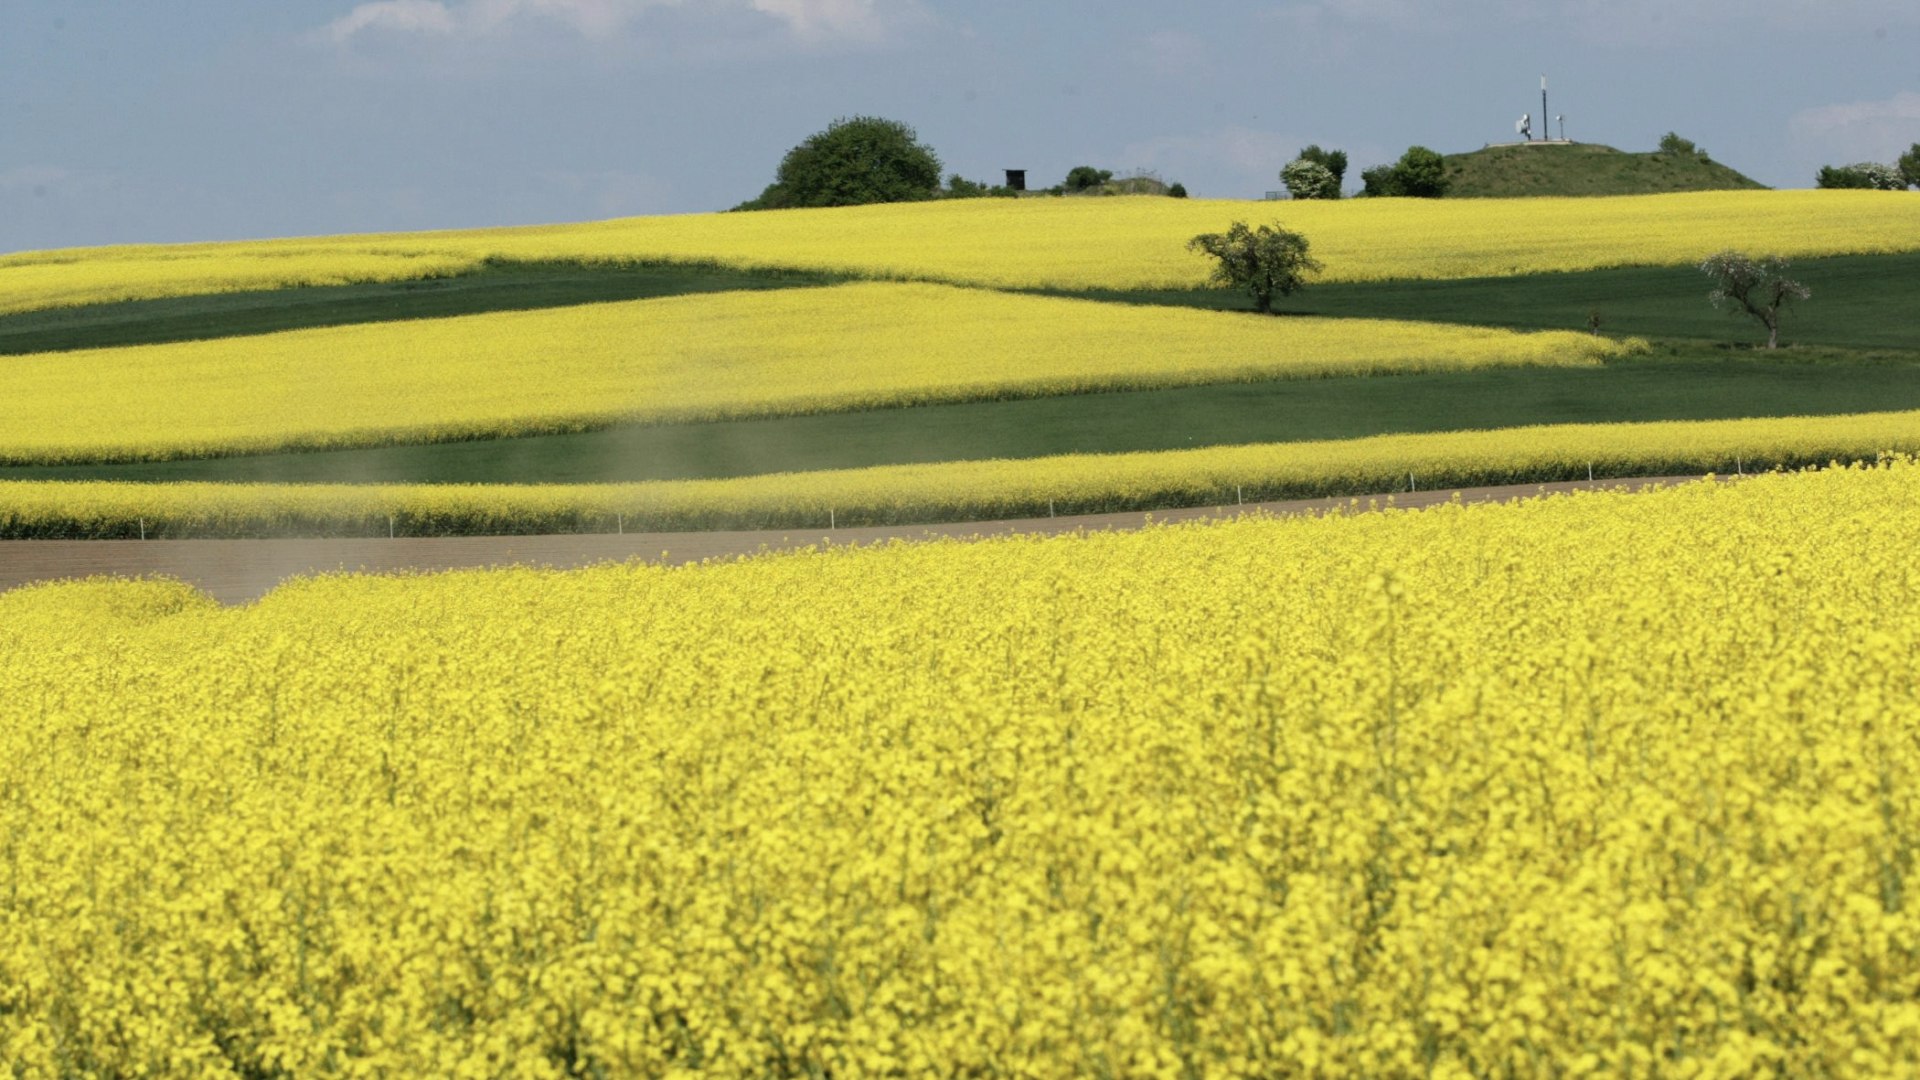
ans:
(1583, 169)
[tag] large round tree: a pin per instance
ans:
(858, 159)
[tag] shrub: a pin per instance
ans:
(1178, 190)
(1381, 180)
(856, 160)
(959, 187)
(1335, 162)
(1861, 175)
(1672, 143)
(1086, 177)
(1310, 180)
(1422, 173)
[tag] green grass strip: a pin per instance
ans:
(956, 491)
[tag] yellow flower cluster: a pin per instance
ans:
(1118, 243)
(1590, 785)
(693, 357)
(958, 490)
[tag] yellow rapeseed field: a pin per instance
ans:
(1600, 785)
(1118, 243)
(692, 357)
(958, 490)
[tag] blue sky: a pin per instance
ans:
(179, 120)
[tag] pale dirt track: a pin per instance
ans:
(238, 571)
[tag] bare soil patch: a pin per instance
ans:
(239, 571)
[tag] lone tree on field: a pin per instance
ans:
(1909, 166)
(1266, 262)
(856, 160)
(1757, 288)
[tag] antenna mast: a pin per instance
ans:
(1543, 106)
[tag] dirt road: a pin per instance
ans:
(237, 571)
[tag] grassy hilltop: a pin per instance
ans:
(1516, 171)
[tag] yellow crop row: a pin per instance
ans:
(1600, 785)
(693, 357)
(1118, 243)
(959, 490)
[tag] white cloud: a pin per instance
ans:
(1859, 130)
(807, 20)
(820, 20)
(409, 16)
(1613, 22)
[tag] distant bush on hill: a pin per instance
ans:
(959, 187)
(855, 161)
(1420, 173)
(1672, 143)
(1869, 175)
(1087, 178)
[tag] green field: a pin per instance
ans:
(1855, 347)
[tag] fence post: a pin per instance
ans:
(1412, 485)
(1237, 499)
(620, 524)
(830, 523)
(143, 528)
(389, 526)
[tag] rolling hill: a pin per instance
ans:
(1520, 170)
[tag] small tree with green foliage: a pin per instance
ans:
(1420, 173)
(1265, 262)
(1310, 180)
(1417, 173)
(856, 160)
(1086, 178)
(1335, 162)
(1759, 288)
(1379, 181)
(1672, 143)
(1910, 166)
